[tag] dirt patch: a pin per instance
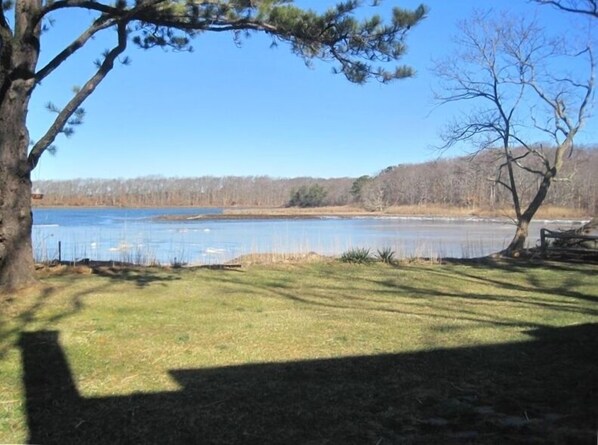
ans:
(278, 258)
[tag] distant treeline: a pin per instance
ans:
(456, 182)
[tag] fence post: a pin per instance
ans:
(60, 251)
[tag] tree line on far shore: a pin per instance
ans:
(462, 182)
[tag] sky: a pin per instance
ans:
(254, 110)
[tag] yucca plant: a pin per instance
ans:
(359, 255)
(386, 255)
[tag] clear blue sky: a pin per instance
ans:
(225, 110)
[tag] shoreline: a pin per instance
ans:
(405, 212)
(323, 216)
(344, 212)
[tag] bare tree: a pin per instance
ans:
(510, 72)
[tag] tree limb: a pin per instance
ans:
(78, 43)
(109, 17)
(89, 87)
(90, 5)
(592, 9)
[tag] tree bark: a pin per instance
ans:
(16, 254)
(18, 58)
(518, 241)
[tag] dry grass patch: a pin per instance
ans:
(545, 212)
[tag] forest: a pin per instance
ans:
(460, 182)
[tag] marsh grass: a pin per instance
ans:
(546, 211)
(323, 352)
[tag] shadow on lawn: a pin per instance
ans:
(540, 391)
(527, 291)
(526, 267)
(435, 294)
(140, 276)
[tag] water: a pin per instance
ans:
(135, 235)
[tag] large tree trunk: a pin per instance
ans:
(16, 256)
(19, 53)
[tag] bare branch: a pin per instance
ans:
(589, 87)
(526, 168)
(591, 6)
(498, 178)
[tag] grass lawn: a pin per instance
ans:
(321, 353)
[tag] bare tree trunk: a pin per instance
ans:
(523, 220)
(518, 241)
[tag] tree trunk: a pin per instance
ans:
(19, 53)
(518, 241)
(16, 255)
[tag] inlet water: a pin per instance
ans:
(136, 235)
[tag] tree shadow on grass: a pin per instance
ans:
(527, 290)
(140, 276)
(12, 324)
(436, 294)
(534, 283)
(540, 391)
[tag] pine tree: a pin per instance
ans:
(362, 50)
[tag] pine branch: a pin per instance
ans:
(77, 44)
(109, 18)
(74, 104)
(90, 5)
(333, 35)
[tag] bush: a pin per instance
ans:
(386, 255)
(312, 196)
(357, 255)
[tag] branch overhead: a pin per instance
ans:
(586, 7)
(363, 49)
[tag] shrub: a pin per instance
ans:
(312, 196)
(356, 255)
(386, 255)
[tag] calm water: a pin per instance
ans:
(134, 235)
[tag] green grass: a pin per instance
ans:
(318, 353)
